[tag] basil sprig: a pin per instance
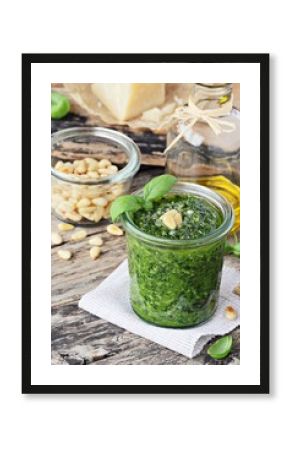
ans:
(152, 191)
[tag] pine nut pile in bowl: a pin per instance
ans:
(90, 167)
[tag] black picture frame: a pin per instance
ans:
(27, 61)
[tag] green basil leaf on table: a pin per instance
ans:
(158, 186)
(125, 203)
(60, 105)
(221, 348)
(232, 249)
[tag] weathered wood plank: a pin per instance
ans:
(151, 145)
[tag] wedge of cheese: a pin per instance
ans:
(126, 101)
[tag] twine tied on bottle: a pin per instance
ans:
(190, 114)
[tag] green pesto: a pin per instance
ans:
(199, 217)
(170, 286)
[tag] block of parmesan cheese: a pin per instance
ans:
(126, 101)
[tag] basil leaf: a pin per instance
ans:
(232, 249)
(237, 247)
(158, 186)
(220, 348)
(60, 105)
(125, 203)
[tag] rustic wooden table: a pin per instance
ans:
(80, 338)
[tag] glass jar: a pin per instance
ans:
(201, 152)
(78, 199)
(175, 283)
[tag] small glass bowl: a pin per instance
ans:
(81, 200)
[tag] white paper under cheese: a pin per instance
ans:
(126, 101)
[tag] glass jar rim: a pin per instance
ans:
(105, 135)
(188, 188)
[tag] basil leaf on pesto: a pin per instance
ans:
(125, 203)
(158, 186)
(153, 190)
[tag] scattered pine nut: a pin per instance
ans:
(231, 313)
(64, 254)
(65, 226)
(79, 235)
(237, 290)
(95, 252)
(96, 241)
(115, 230)
(56, 239)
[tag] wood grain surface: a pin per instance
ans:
(80, 338)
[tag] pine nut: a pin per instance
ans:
(79, 235)
(103, 171)
(172, 219)
(67, 168)
(117, 190)
(65, 226)
(81, 168)
(92, 164)
(56, 239)
(101, 201)
(230, 313)
(93, 174)
(237, 290)
(113, 169)
(168, 220)
(76, 163)
(95, 252)
(73, 216)
(178, 219)
(96, 241)
(88, 216)
(106, 213)
(98, 214)
(87, 210)
(104, 163)
(64, 254)
(83, 202)
(110, 197)
(59, 165)
(115, 230)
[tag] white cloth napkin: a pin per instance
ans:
(110, 301)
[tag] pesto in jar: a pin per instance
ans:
(176, 286)
(199, 217)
